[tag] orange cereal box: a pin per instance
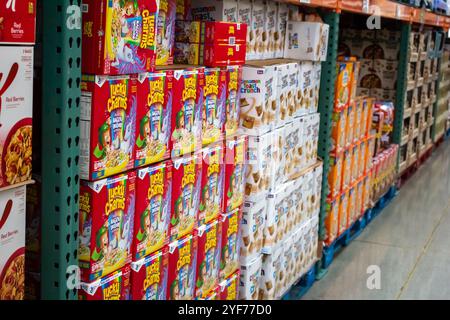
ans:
(338, 130)
(349, 131)
(335, 175)
(343, 212)
(344, 84)
(332, 220)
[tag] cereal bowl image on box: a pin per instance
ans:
(229, 288)
(115, 286)
(186, 190)
(119, 36)
(106, 225)
(149, 276)
(230, 250)
(153, 119)
(182, 268)
(108, 116)
(233, 100)
(152, 216)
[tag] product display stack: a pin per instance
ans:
(279, 101)
(442, 112)
(17, 39)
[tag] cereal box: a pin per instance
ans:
(271, 264)
(12, 243)
(187, 53)
(257, 37)
(338, 130)
(214, 102)
(357, 124)
(311, 134)
(279, 156)
(344, 84)
(217, 10)
(235, 172)
(280, 34)
(386, 71)
(318, 181)
(351, 206)
(250, 274)
(259, 177)
(106, 225)
(287, 263)
(213, 175)
(149, 276)
(119, 36)
(354, 163)
(153, 119)
(275, 215)
(233, 99)
(212, 295)
(299, 201)
(316, 81)
(115, 286)
(312, 242)
(331, 221)
(245, 16)
(349, 131)
(305, 88)
(230, 242)
(270, 29)
(182, 268)
(152, 216)
(343, 212)
(18, 22)
(107, 124)
(259, 97)
(187, 95)
(306, 41)
(229, 288)
(16, 110)
(222, 54)
(252, 228)
(165, 35)
(208, 257)
(359, 199)
(186, 192)
(283, 89)
(294, 150)
(293, 85)
(182, 9)
(347, 168)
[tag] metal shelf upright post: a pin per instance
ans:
(60, 146)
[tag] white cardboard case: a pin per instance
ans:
(269, 287)
(270, 29)
(16, 110)
(257, 31)
(249, 279)
(252, 229)
(216, 10)
(282, 17)
(293, 85)
(245, 16)
(306, 41)
(282, 94)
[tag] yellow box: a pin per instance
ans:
(335, 175)
(351, 217)
(331, 222)
(344, 84)
(349, 133)
(343, 211)
(347, 169)
(338, 130)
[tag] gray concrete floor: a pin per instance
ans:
(409, 242)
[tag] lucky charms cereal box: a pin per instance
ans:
(106, 225)
(229, 288)
(153, 119)
(208, 257)
(149, 276)
(186, 192)
(119, 36)
(182, 268)
(230, 250)
(165, 36)
(107, 123)
(232, 106)
(115, 286)
(152, 216)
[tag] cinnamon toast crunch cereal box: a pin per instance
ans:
(106, 225)
(149, 276)
(208, 258)
(165, 36)
(182, 268)
(119, 37)
(217, 10)
(230, 250)
(107, 124)
(229, 288)
(186, 189)
(250, 274)
(153, 119)
(152, 216)
(115, 286)
(252, 229)
(271, 264)
(233, 100)
(282, 18)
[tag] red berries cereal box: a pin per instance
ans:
(229, 254)
(208, 258)
(187, 172)
(165, 36)
(153, 119)
(115, 286)
(213, 110)
(229, 288)
(152, 216)
(213, 172)
(149, 276)
(18, 21)
(108, 116)
(187, 93)
(232, 106)
(235, 172)
(106, 225)
(182, 268)
(119, 36)
(16, 110)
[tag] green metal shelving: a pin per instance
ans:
(60, 146)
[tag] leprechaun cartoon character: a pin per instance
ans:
(206, 198)
(104, 146)
(146, 231)
(224, 257)
(180, 129)
(178, 212)
(202, 274)
(101, 251)
(175, 290)
(144, 138)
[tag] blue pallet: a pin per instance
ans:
(447, 134)
(305, 283)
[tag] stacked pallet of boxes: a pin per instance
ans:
(17, 37)
(442, 112)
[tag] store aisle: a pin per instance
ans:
(408, 241)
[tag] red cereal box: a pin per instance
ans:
(106, 225)
(149, 276)
(119, 36)
(187, 93)
(208, 257)
(229, 288)
(235, 167)
(153, 119)
(152, 216)
(115, 286)
(223, 54)
(213, 173)
(186, 189)
(18, 21)
(224, 32)
(229, 253)
(182, 268)
(165, 36)
(233, 106)
(212, 295)
(108, 117)
(213, 110)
